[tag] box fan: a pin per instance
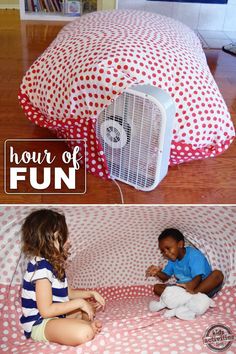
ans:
(135, 132)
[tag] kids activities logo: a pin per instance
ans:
(44, 166)
(218, 338)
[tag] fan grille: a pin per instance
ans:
(133, 125)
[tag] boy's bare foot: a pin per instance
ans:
(97, 326)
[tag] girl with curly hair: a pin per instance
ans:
(52, 311)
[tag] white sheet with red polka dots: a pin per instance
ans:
(113, 245)
(95, 58)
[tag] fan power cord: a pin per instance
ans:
(121, 194)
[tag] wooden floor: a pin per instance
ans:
(199, 182)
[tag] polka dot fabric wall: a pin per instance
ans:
(111, 248)
(113, 245)
(95, 58)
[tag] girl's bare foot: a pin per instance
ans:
(97, 326)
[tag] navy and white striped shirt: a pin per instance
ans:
(39, 268)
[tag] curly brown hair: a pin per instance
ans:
(40, 231)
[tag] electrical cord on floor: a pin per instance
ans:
(121, 194)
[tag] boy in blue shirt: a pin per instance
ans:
(187, 264)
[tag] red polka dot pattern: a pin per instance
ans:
(95, 58)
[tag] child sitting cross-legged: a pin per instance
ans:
(187, 264)
(51, 310)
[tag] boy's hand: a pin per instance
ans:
(153, 270)
(100, 300)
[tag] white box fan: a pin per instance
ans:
(135, 132)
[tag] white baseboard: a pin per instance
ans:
(9, 6)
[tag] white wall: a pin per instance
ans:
(9, 4)
(197, 16)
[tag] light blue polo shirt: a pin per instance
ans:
(192, 264)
